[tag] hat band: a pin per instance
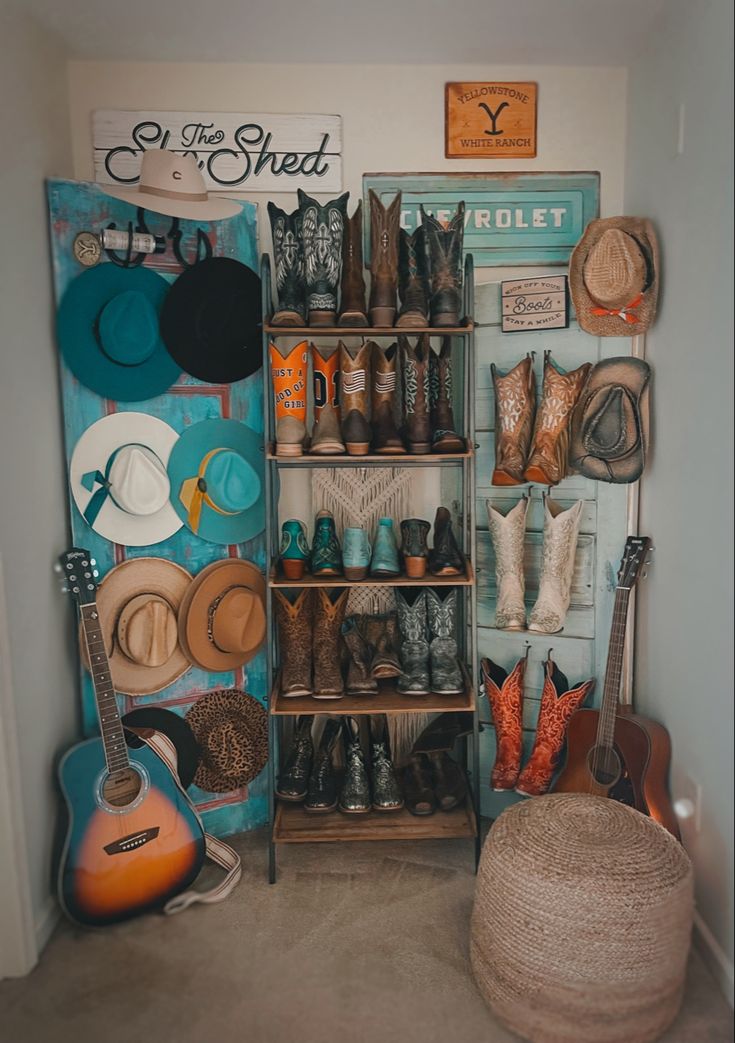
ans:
(625, 313)
(101, 495)
(199, 494)
(167, 193)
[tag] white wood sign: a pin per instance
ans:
(535, 304)
(235, 151)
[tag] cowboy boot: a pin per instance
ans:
(294, 550)
(288, 377)
(325, 436)
(547, 463)
(443, 249)
(359, 681)
(386, 439)
(414, 548)
(353, 310)
(445, 557)
(444, 437)
(558, 703)
(413, 285)
(288, 256)
(418, 786)
(384, 227)
(385, 788)
(293, 781)
(515, 401)
(295, 622)
(329, 614)
(381, 635)
(505, 694)
(508, 532)
(321, 796)
(416, 394)
(411, 608)
(384, 560)
(450, 782)
(561, 528)
(441, 611)
(322, 229)
(355, 378)
(326, 554)
(354, 798)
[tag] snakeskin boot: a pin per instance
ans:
(355, 366)
(322, 229)
(505, 694)
(443, 248)
(321, 796)
(386, 439)
(416, 394)
(359, 680)
(444, 437)
(386, 791)
(288, 255)
(547, 463)
(354, 798)
(384, 227)
(441, 611)
(445, 557)
(515, 402)
(558, 703)
(293, 781)
(294, 620)
(508, 532)
(413, 285)
(353, 310)
(329, 614)
(411, 608)
(561, 528)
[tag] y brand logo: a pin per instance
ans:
(493, 116)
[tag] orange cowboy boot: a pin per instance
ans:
(515, 402)
(558, 703)
(547, 463)
(288, 376)
(505, 694)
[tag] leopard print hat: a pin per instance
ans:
(232, 730)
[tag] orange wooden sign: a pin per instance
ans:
(490, 120)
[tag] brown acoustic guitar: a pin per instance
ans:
(613, 752)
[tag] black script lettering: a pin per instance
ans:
(314, 164)
(194, 134)
(524, 306)
(145, 135)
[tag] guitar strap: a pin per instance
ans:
(217, 851)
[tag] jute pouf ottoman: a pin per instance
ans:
(582, 921)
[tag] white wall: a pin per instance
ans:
(684, 649)
(36, 675)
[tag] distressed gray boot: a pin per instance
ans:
(386, 791)
(411, 607)
(441, 608)
(354, 798)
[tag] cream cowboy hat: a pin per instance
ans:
(173, 185)
(119, 481)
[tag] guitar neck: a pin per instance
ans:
(614, 668)
(111, 728)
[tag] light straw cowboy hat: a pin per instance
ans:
(231, 728)
(173, 185)
(138, 603)
(119, 481)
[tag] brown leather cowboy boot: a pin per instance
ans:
(515, 401)
(384, 226)
(329, 614)
(505, 694)
(444, 436)
(547, 463)
(381, 634)
(353, 310)
(416, 393)
(359, 681)
(355, 379)
(294, 619)
(558, 703)
(386, 439)
(443, 247)
(325, 437)
(413, 284)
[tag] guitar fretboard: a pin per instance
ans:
(614, 669)
(113, 734)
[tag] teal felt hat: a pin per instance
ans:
(216, 475)
(108, 333)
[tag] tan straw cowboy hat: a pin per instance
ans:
(231, 728)
(173, 185)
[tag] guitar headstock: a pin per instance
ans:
(76, 569)
(634, 557)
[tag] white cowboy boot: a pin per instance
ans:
(507, 532)
(560, 545)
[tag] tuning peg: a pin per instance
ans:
(92, 561)
(95, 573)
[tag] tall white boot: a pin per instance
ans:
(561, 528)
(508, 532)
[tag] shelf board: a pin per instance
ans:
(372, 459)
(317, 332)
(387, 700)
(277, 579)
(293, 825)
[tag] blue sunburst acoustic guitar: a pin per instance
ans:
(133, 839)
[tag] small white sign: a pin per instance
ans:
(236, 152)
(535, 304)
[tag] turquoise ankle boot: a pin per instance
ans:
(356, 553)
(294, 552)
(326, 554)
(385, 561)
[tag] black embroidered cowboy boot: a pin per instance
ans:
(416, 394)
(288, 255)
(386, 791)
(444, 437)
(413, 284)
(445, 557)
(321, 796)
(293, 781)
(444, 259)
(414, 548)
(386, 439)
(322, 230)
(354, 798)
(441, 613)
(353, 310)
(384, 227)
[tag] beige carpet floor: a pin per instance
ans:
(356, 942)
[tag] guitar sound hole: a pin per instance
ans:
(121, 788)
(604, 765)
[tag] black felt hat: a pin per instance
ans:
(175, 728)
(211, 320)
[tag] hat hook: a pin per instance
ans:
(202, 252)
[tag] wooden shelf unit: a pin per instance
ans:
(317, 332)
(294, 825)
(277, 579)
(308, 459)
(387, 700)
